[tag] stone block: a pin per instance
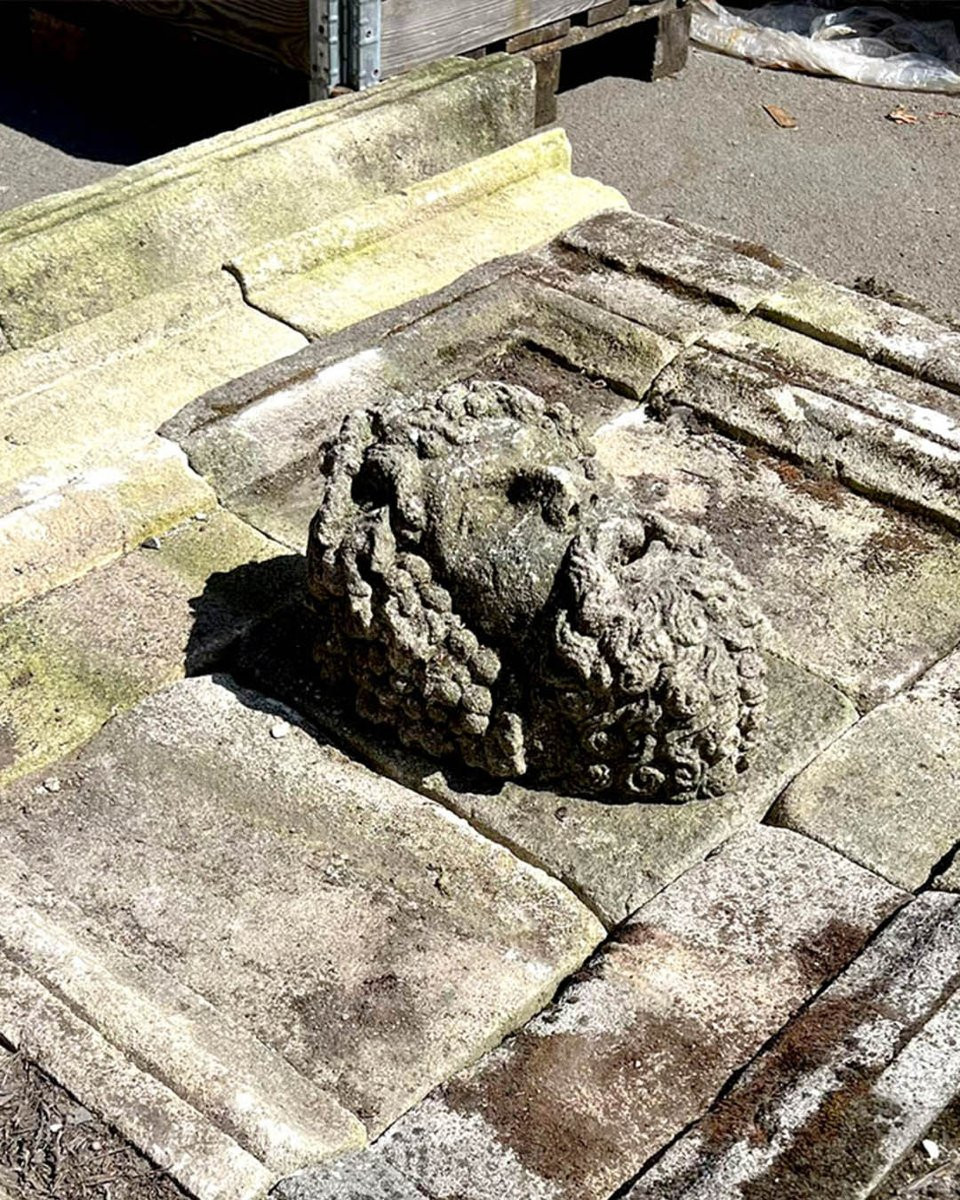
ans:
(887, 793)
(881, 391)
(357, 1177)
(897, 337)
(373, 940)
(417, 241)
(174, 609)
(96, 389)
(74, 256)
(649, 300)
(615, 857)
(110, 505)
(854, 590)
(704, 265)
(213, 1063)
(166, 1128)
(882, 432)
(846, 1089)
(638, 1044)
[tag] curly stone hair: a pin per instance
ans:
(623, 663)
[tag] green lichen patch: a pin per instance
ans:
(73, 658)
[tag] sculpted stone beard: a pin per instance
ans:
(487, 591)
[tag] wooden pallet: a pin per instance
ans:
(419, 31)
(653, 58)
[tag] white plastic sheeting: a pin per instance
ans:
(867, 44)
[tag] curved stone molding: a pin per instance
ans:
(485, 588)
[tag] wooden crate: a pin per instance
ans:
(414, 32)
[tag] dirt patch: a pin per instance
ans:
(919, 1176)
(583, 1108)
(759, 253)
(52, 1148)
(829, 951)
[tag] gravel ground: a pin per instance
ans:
(51, 1148)
(847, 193)
(921, 1176)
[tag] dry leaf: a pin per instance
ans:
(900, 116)
(781, 116)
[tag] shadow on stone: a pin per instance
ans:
(232, 602)
(275, 659)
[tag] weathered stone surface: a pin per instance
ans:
(882, 432)
(206, 1161)
(846, 1089)
(887, 794)
(393, 249)
(243, 1088)
(65, 670)
(111, 504)
(884, 393)
(485, 591)
(640, 1042)
(949, 878)
(615, 857)
(358, 1177)
(853, 590)
(111, 382)
(615, 300)
(259, 440)
(71, 257)
(631, 242)
(649, 300)
(362, 932)
(898, 337)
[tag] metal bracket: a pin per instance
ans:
(344, 45)
(325, 53)
(363, 42)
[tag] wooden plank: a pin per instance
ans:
(607, 12)
(419, 31)
(277, 30)
(536, 37)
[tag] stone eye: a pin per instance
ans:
(551, 489)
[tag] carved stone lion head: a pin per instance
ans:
(484, 588)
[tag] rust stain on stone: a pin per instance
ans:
(535, 1105)
(825, 489)
(895, 549)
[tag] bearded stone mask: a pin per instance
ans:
(487, 591)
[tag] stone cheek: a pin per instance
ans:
(483, 587)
